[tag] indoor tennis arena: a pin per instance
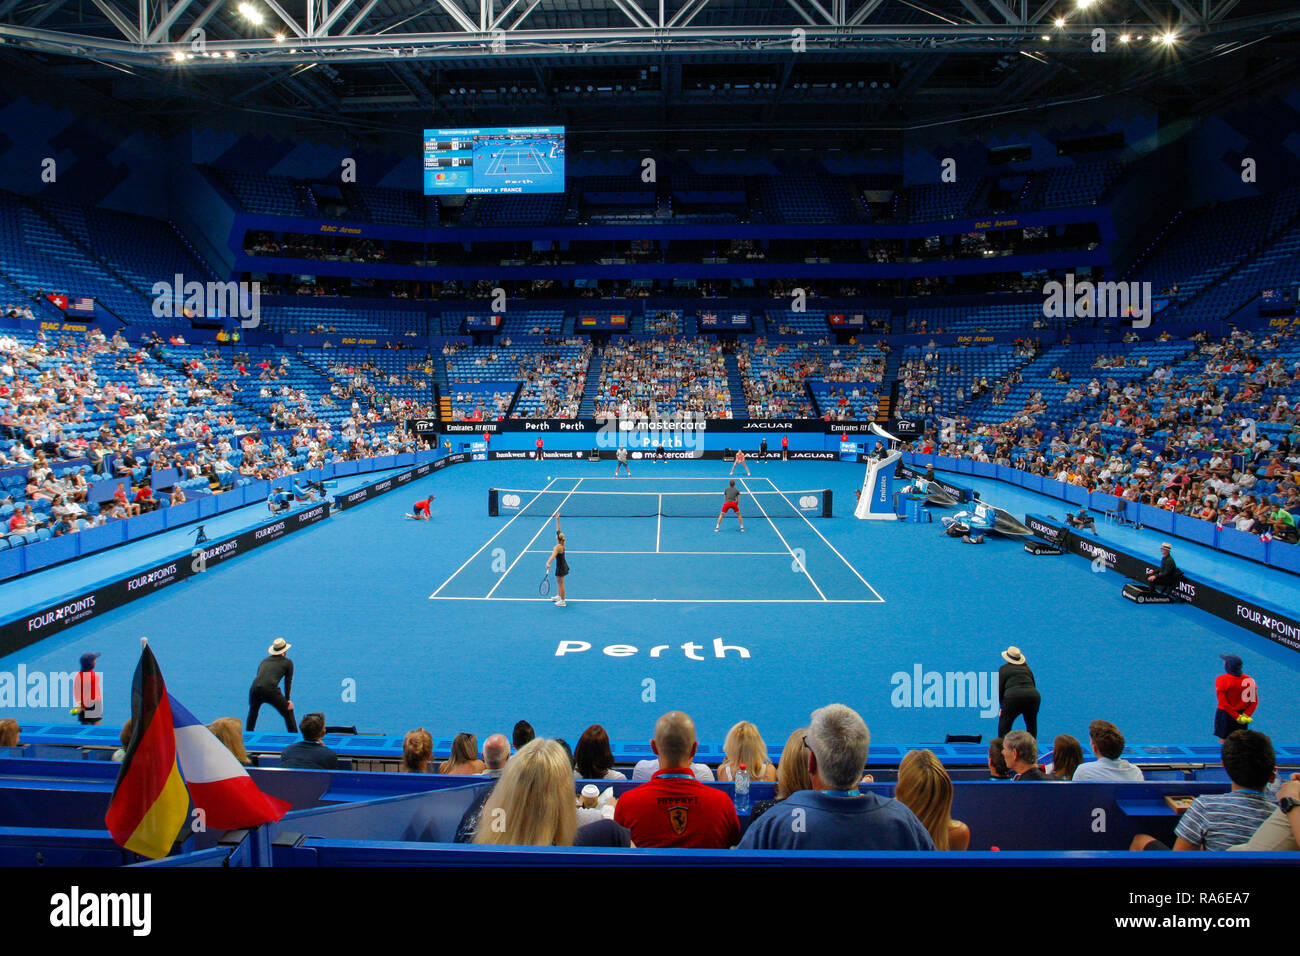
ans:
(751, 438)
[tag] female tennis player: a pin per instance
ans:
(740, 460)
(561, 565)
(731, 502)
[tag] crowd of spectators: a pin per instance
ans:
(1183, 437)
(546, 793)
(553, 382)
(157, 413)
(661, 376)
(775, 376)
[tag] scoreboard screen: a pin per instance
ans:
(524, 159)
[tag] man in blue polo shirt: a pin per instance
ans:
(835, 815)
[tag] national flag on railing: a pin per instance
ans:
(1266, 537)
(149, 804)
(218, 783)
(82, 303)
(59, 301)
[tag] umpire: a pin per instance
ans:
(266, 686)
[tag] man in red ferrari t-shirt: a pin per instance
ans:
(674, 809)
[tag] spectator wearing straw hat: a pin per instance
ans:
(266, 686)
(1167, 576)
(1017, 693)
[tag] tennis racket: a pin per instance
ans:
(545, 587)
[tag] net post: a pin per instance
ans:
(826, 502)
(492, 503)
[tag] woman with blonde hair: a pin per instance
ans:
(533, 804)
(9, 731)
(744, 746)
(417, 751)
(464, 756)
(231, 733)
(791, 773)
(925, 788)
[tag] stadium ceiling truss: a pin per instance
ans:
(353, 56)
(156, 32)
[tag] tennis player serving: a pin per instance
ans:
(740, 460)
(561, 565)
(731, 502)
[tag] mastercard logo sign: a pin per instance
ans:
(440, 176)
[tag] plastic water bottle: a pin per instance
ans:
(742, 791)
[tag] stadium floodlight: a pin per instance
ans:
(1169, 38)
(1083, 4)
(279, 38)
(1059, 22)
(251, 13)
(1124, 38)
(178, 56)
(230, 54)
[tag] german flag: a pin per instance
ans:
(150, 803)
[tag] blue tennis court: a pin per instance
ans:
(398, 623)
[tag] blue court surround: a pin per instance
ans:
(868, 605)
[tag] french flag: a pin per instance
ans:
(218, 783)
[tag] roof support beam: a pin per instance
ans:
(332, 18)
(457, 14)
(1007, 13)
(864, 11)
(976, 11)
(45, 12)
(633, 12)
(118, 19)
(160, 31)
(359, 18)
(532, 5)
(289, 21)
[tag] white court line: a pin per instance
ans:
(823, 537)
(783, 541)
(662, 478)
(447, 597)
(491, 539)
(716, 554)
(534, 538)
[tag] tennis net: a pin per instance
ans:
(649, 504)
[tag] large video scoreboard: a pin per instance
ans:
(525, 159)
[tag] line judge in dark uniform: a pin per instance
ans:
(1167, 576)
(1017, 693)
(266, 686)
